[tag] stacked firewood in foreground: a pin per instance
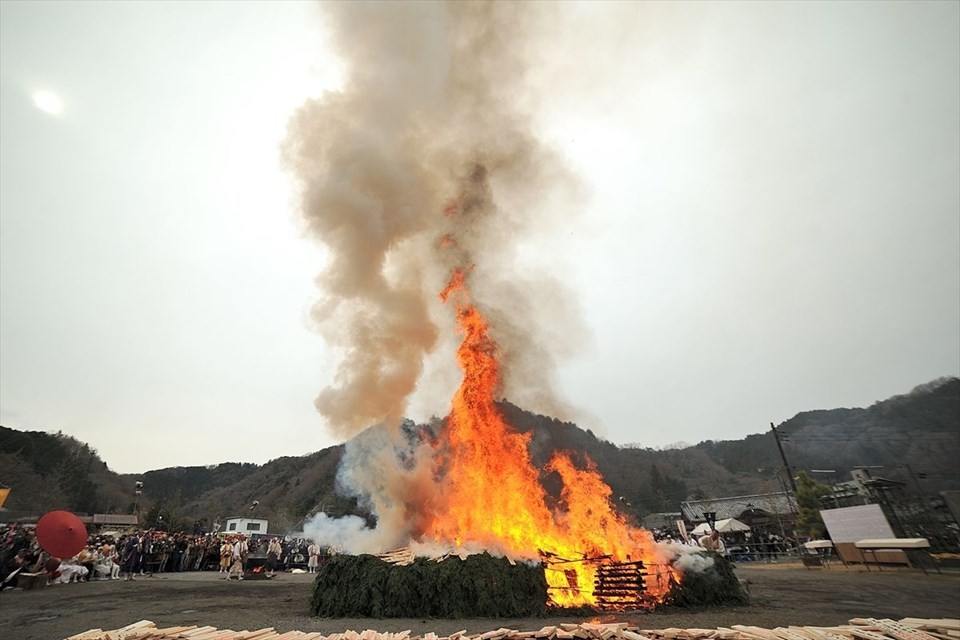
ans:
(857, 629)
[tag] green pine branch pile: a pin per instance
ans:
(480, 586)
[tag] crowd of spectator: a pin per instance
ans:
(146, 552)
(760, 544)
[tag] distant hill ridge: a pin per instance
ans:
(914, 437)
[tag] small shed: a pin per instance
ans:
(246, 526)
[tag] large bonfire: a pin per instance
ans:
(493, 496)
(433, 104)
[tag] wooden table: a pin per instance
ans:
(820, 553)
(905, 545)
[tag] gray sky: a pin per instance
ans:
(771, 219)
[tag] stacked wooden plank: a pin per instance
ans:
(620, 585)
(857, 629)
(400, 557)
(405, 556)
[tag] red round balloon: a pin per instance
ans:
(61, 534)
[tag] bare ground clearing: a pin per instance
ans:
(781, 595)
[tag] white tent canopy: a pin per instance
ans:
(727, 525)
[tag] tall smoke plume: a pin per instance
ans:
(425, 171)
(433, 115)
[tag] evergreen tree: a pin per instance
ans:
(809, 492)
(658, 490)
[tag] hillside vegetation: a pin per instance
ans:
(915, 438)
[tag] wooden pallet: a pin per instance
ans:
(620, 585)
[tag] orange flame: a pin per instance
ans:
(453, 207)
(494, 498)
(446, 241)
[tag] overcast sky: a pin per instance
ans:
(771, 220)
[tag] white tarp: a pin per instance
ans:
(727, 525)
(850, 524)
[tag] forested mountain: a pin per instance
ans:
(287, 490)
(915, 438)
(55, 471)
(911, 438)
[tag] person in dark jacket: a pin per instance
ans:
(130, 556)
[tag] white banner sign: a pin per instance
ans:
(851, 524)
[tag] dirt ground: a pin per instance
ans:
(780, 595)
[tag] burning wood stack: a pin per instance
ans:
(400, 584)
(620, 585)
(857, 629)
(257, 573)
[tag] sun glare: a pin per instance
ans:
(48, 102)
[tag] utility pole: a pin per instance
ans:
(137, 491)
(783, 456)
(916, 481)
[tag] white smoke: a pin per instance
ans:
(430, 137)
(434, 98)
(390, 473)
(686, 558)
(348, 534)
